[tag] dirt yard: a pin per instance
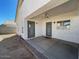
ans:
(11, 48)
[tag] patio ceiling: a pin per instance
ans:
(70, 6)
(50, 5)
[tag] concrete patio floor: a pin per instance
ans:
(11, 48)
(46, 48)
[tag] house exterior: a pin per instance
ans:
(51, 18)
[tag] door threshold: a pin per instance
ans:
(31, 38)
(48, 37)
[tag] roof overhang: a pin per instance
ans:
(46, 7)
(19, 3)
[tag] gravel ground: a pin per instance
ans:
(11, 48)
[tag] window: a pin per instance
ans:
(63, 24)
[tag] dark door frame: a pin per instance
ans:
(50, 35)
(28, 22)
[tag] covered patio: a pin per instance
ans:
(47, 48)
